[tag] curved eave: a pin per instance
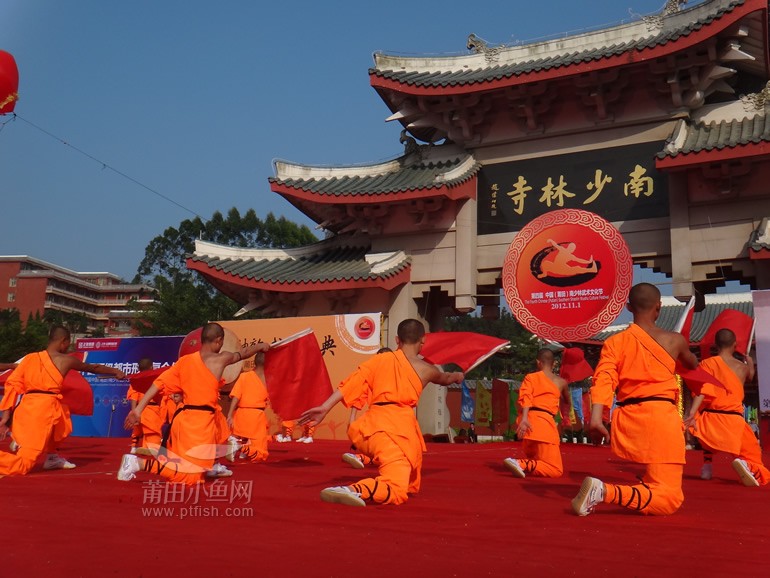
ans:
(465, 189)
(386, 282)
(714, 155)
(591, 64)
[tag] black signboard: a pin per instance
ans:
(619, 184)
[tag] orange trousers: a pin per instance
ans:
(751, 452)
(23, 460)
(659, 493)
(543, 459)
(397, 478)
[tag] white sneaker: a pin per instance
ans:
(56, 462)
(129, 465)
(281, 439)
(219, 471)
(133, 451)
(233, 445)
(13, 446)
(353, 460)
(342, 495)
(301, 440)
(744, 473)
(307, 440)
(706, 472)
(515, 467)
(591, 493)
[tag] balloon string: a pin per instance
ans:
(104, 164)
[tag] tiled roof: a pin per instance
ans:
(334, 260)
(673, 309)
(431, 168)
(515, 61)
(699, 137)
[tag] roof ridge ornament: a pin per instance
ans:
(410, 146)
(758, 100)
(481, 46)
(655, 22)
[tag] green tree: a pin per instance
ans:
(15, 340)
(184, 300)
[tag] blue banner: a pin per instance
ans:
(468, 408)
(110, 403)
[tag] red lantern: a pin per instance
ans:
(9, 83)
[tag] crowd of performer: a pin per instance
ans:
(180, 433)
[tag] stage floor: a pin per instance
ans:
(471, 518)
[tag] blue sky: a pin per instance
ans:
(196, 99)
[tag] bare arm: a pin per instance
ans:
(315, 415)
(689, 419)
(135, 415)
(233, 407)
(96, 368)
(750, 367)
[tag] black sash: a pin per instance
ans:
(638, 400)
(723, 411)
(166, 429)
(543, 410)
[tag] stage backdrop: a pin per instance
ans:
(110, 404)
(345, 342)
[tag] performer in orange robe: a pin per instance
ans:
(389, 431)
(247, 412)
(720, 425)
(194, 434)
(357, 459)
(41, 421)
(539, 397)
(287, 432)
(147, 434)
(637, 365)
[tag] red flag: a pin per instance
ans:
(295, 375)
(697, 378)
(75, 390)
(738, 322)
(684, 325)
(463, 348)
(574, 366)
(142, 381)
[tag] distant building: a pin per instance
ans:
(34, 286)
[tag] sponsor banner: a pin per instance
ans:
(567, 275)
(620, 184)
(345, 341)
(110, 404)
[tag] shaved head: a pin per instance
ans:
(410, 331)
(643, 297)
(724, 338)
(211, 332)
(58, 333)
(545, 356)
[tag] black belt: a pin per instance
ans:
(385, 403)
(250, 407)
(723, 411)
(637, 400)
(167, 432)
(43, 391)
(153, 403)
(543, 410)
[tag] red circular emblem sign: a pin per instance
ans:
(364, 328)
(567, 275)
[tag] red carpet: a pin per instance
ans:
(471, 518)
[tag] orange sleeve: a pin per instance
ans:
(606, 377)
(526, 392)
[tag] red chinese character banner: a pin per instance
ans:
(567, 275)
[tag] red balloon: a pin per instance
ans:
(9, 82)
